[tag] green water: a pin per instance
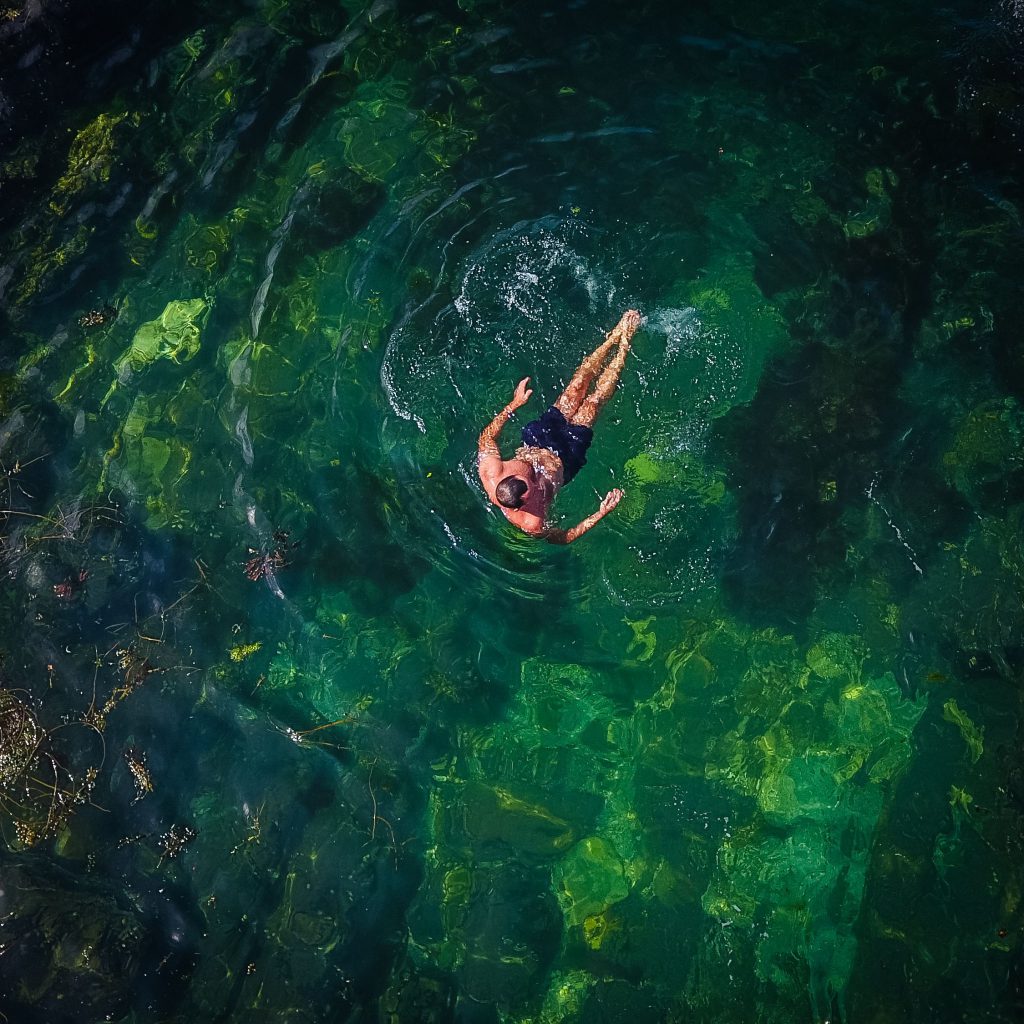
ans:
(749, 751)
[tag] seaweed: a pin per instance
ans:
(136, 761)
(38, 792)
(90, 158)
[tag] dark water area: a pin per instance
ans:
(294, 727)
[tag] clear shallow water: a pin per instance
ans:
(748, 751)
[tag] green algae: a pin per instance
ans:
(90, 158)
(589, 880)
(173, 335)
(50, 257)
(684, 471)
(816, 768)
(22, 162)
(149, 460)
(493, 813)
(986, 447)
(79, 942)
(875, 216)
(735, 310)
(836, 656)
(56, 241)
(147, 457)
(566, 996)
(644, 642)
(973, 736)
(643, 469)
(242, 652)
(207, 248)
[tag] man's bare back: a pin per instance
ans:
(555, 445)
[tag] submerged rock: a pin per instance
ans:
(589, 880)
(510, 933)
(172, 335)
(986, 458)
(77, 952)
(493, 813)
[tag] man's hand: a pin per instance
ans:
(522, 394)
(610, 500)
(487, 446)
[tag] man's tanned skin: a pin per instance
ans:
(554, 448)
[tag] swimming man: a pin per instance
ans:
(555, 446)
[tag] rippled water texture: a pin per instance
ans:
(295, 728)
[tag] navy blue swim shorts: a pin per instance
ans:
(569, 441)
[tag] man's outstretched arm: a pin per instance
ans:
(487, 446)
(608, 502)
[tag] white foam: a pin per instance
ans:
(681, 327)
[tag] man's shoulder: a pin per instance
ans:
(496, 466)
(490, 467)
(528, 522)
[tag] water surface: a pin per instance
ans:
(296, 728)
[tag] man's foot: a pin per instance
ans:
(588, 409)
(628, 324)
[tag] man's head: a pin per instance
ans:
(510, 491)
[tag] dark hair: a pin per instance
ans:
(510, 491)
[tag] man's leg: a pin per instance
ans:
(588, 409)
(604, 389)
(576, 390)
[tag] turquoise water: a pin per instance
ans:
(296, 728)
